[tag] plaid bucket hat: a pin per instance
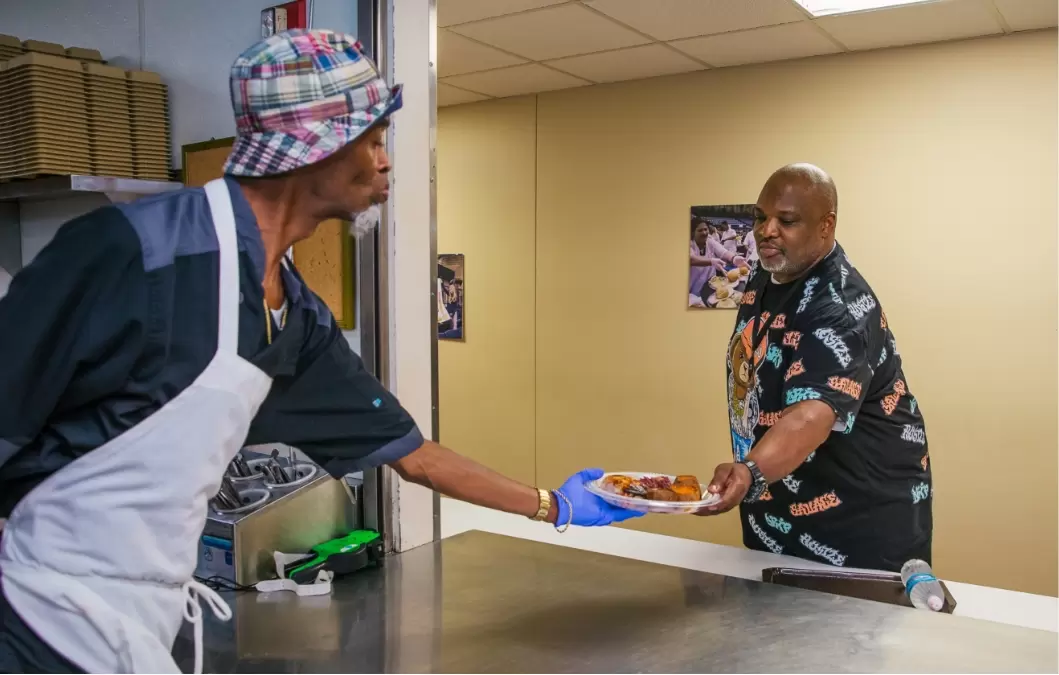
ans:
(298, 97)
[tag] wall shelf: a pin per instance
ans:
(52, 187)
(18, 198)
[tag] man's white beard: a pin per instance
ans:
(365, 221)
(774, 268)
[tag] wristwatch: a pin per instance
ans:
(758, 484)
(544, 505)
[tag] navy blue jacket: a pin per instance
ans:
(118, 315)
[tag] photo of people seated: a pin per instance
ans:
(450, 297)
(723, 252)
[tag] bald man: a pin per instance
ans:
(829, 445)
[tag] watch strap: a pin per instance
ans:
(758, 483)
(544, 506)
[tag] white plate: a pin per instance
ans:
(648, 505)
(732, 301)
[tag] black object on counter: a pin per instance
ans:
(878, 586)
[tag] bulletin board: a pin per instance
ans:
(324, 260)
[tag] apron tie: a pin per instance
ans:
(193, 592)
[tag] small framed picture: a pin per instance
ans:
(723, 252)
(268, 22)
(450, 297)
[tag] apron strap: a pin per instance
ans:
(228, 291)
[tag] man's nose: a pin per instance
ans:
(384, 162)
(768, 229)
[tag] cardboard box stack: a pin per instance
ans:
(149, 105)
(63, 111)
(10, 47)
(43, 117)
(41, 47)
(86, 55)
(109, 120)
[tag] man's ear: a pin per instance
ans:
(828, 224)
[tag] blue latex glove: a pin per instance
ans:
(588, 509)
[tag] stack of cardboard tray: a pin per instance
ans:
(43, 117)
(63, 111)
(149, 108)
(109, 120)
(85, 55)
(42, 47)
(10, 47)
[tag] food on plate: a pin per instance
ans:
(723, 292)
(744, 270)
(655, 488)
(618, 483)
(716, 282)
(733, 275)
(726, 304)
(688, 485)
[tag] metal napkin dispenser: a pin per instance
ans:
(293, 516)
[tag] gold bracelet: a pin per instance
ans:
(570, 515)
(545, 505)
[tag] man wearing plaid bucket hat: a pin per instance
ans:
(156, 338)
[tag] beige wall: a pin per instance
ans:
(945, 158)
(486, 211)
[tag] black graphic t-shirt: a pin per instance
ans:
(863, 498)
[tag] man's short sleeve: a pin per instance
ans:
(830, 364)
(335, 411)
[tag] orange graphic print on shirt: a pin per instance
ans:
(890, 401)
(824, 502)
(792, 338)
(845, 385)
(768, 419)
(796, 369)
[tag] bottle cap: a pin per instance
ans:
(935, 603)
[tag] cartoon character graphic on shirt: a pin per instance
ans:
(743, 408)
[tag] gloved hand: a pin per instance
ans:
(588, 509)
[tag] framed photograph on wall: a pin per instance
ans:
(450, 296)
(723, 252)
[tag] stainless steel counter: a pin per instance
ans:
(486, 603)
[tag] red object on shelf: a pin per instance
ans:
(296, 14)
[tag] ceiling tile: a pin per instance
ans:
(451, 12)
(633, 63)
(1029, 14)
(775, 43)
(552, 33)
(515, 81)
(458, 55)
(912, 24)
(674, 19)
(449, 95)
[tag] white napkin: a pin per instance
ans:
(320, 586)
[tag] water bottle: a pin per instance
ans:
(922, 586)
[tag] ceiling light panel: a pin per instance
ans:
(832, 7)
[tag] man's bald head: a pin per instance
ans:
(795, 220)
(812, 178)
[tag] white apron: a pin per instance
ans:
(98, 559)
